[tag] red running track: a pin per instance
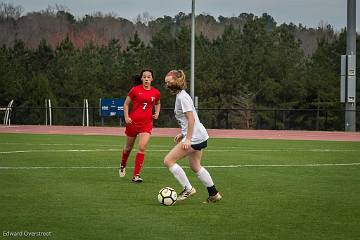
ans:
(170, 132)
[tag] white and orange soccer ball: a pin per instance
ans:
(167, 196)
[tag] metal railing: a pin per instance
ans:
(282, 119)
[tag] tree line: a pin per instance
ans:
(258, 66)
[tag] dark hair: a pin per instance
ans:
(147, 70)
(136, 79)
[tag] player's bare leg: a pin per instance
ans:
(125, 155)
(170, 160)
(140, 156)
(204, 176)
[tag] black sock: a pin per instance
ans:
(212, 190)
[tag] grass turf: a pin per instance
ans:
(272, 189)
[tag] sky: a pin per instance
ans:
(310, 13)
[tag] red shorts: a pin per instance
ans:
(132, 130)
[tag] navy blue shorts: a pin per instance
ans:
(199, 146)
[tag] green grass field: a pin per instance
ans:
(69, 186)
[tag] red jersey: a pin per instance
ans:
(143, 101)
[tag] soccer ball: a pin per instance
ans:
(167, 196)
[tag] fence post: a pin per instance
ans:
(317, 119)
(93, 116)
(227, 118)
(326, 118)
(274, 119)
(85, 113)
(50, 112)
(283, 119)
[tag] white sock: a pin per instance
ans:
(204, 177)
(180, 175)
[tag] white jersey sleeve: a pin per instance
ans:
(185, 104)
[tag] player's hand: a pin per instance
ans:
(186, 145)
(156, 116)
(128, 120)
(178, 138)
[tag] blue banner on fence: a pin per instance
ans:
(110, 107)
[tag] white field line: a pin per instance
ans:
(214, 166)
(166, 150)
(60, 150)
(75, 144)
(121, 144)
(168, 147)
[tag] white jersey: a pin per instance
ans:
(185, 104)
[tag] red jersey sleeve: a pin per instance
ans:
(132, 94)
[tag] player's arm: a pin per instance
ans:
(127, 102)
(190, 129)
(178, 138)
(157, 109)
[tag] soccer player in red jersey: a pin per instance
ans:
(139, 121)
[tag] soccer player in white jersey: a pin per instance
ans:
(190, 142)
